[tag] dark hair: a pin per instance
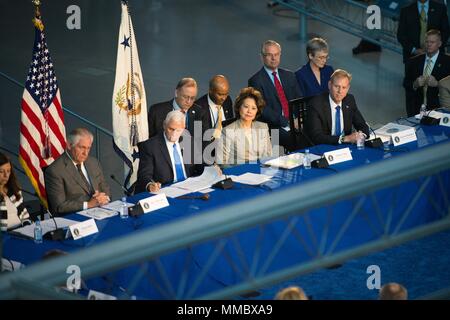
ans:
(12, 184)
(252, 93)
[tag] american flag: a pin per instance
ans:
(42, 131)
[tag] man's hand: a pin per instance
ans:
(419, 82)
(432, 82)
(154, 187)
(418, 51)
(98, 199)
(351, 138)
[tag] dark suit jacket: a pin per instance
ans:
(414, 69)
(272, 113)
(155, 163)
(318, 119)
(65, 188)
(227, 109)
(408, 32)
(159, 111)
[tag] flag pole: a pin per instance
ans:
(37, 15)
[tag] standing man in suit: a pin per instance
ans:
(423, 73)
(332, 116)
(75, 180)
(415, 20)
(185, 95)
(277, 86)
(444, 92)
(162, 160)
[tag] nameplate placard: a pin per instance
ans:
(154, 203)
(445, 120)
(83, 229)
(403, 137)
(338, 156)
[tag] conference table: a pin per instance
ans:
(251, 252)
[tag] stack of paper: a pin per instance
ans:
(251, 178)
(290, 161)
(209, 177)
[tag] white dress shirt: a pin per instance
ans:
(172, 160)
(333, 106)
(214, 112)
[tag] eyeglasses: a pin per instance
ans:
(322, 57)
(187, 98)
(272, 55)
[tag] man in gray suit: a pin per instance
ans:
(75, 181)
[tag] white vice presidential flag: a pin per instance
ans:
(129, 104)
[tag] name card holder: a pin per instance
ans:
(338, 156)
(83, 229)
(403, 137)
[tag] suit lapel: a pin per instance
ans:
(326, 110)
(73, 172)
(346, 113)
(269, 84)
(436, 72)
(164, 151)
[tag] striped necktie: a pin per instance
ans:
(423, 26)
(426, 74)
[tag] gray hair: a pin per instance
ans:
(269, 43)
(315, 45)
(75, 135)
(176, 116)
(186, 82)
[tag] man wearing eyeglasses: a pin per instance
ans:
(185, 95)
(278, 86)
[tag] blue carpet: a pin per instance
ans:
(420, 265)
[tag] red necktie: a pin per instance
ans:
(281, 95)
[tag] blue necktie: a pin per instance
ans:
(337, 125)
(178, 164)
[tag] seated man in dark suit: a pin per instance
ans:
(332, 115)
(277, 86)
(161, 157)
(217, 103)
(423, 73)
(75, 180)
(219, 106)
(185, 95)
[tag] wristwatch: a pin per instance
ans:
(341, 139)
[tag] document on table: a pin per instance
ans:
(209, 177)
(290, 161)
(98, 213)
(251, 178)
(391, 128)
(47, 225)
(115, 205)
(172, 192)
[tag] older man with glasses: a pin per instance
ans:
(185, 95)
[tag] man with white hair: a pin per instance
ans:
(75, 180)
(161, 157)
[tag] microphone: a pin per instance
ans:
(202, 197)
(375, 142)
(127, 193)
(56, 235)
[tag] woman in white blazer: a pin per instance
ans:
(245, 140)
